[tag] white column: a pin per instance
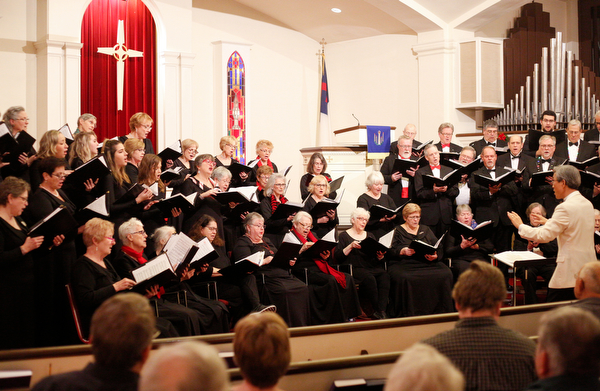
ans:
(174, 100)
(57, 83)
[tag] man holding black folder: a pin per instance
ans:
(400, 185)
(492, 202)
(490, 137)
(436, 202)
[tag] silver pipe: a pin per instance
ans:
(536, 86)
(522, 106)
(544, 79)
(527, 99)
(552, 103)
(589, 104)
(582, 113)
(576, 92)
(568, 111)
(561, 91)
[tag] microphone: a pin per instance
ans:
(356, 119)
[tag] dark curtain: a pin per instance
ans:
(99, 71)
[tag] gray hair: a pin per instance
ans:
(85, 117)
(427, 148)
(221, 173)
(404, 137)
(300, 215)
(490, 123)
(571, 338)
(128, 227)
(358, 212)
(548, 137)
(569, 174)
(11, 113)
(250, 218)
(590, 275)
(461, 208)
(374, 178)
(271, 183)
(160, 235)
(445, 125)
(185, 366)
(574, 122)
(470, 149)
(423, 368)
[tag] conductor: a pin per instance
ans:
(572, 224)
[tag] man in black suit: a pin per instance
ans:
(548, 123)
(400, 185)
(492, 202)
(593, 134)
(445, 131)
(410, 130)
(544, 194)
(436, 202)
(490, 137)
(517, 160)
(575, 148)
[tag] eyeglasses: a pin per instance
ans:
(265, 150)
(230, 146)
(446, 134)
(141, 232)
(321, 185)
(309, 226)
(259, 226)
(362, 219)
(413, 217)
(546, 146)
(209, 162)
(140, 150)
(24, 198)
(59, 176)
(279, 184)
(404, 146)
(147, 126)
(212, 229)
(22, 119)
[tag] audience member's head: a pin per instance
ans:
(185, 366)
(423, 368)
(479, 290)
(121, 332)
(261, 348)
(568, 343)
(587, 283)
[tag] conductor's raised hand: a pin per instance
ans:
(515, 219)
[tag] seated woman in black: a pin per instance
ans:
(420, 283)
(374, 196)
(17, 306)
(279, 287)
(317, 165)
(319, 190)
(548, 250)
(463, 250)
(367, 269)
(274, 196)
(95, 280)
(333, 294)
(205, 316)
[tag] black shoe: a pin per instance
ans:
(263, 308)
(379, 315)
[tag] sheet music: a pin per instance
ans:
(99, 206)
(386, 239)
(3, 129)
(246, 191)
(176, 146)
(254, 163)
(291, 238)
(256, 258)
(152, 268)
(204, 248)
(153, 188)
(329, 236)
(178, 247)
(509, 257)
(66, 131)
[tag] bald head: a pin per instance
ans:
(588, 281)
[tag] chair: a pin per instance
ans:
(75, 313)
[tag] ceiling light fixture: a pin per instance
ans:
(336, 10)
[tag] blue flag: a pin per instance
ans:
(378, 141)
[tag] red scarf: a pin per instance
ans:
(260, 163)
(275, 203)
(321, 264)
(139, 257)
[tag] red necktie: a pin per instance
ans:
(445, 145)
(434, 167)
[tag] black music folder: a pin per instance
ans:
(483, 230)
(421, 248)
(503, 179)
(58, 222)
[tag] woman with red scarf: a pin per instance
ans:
(202, 317)
(275, 228)
(277, 285)
(333, 294)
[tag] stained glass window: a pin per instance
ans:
(236, 103)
